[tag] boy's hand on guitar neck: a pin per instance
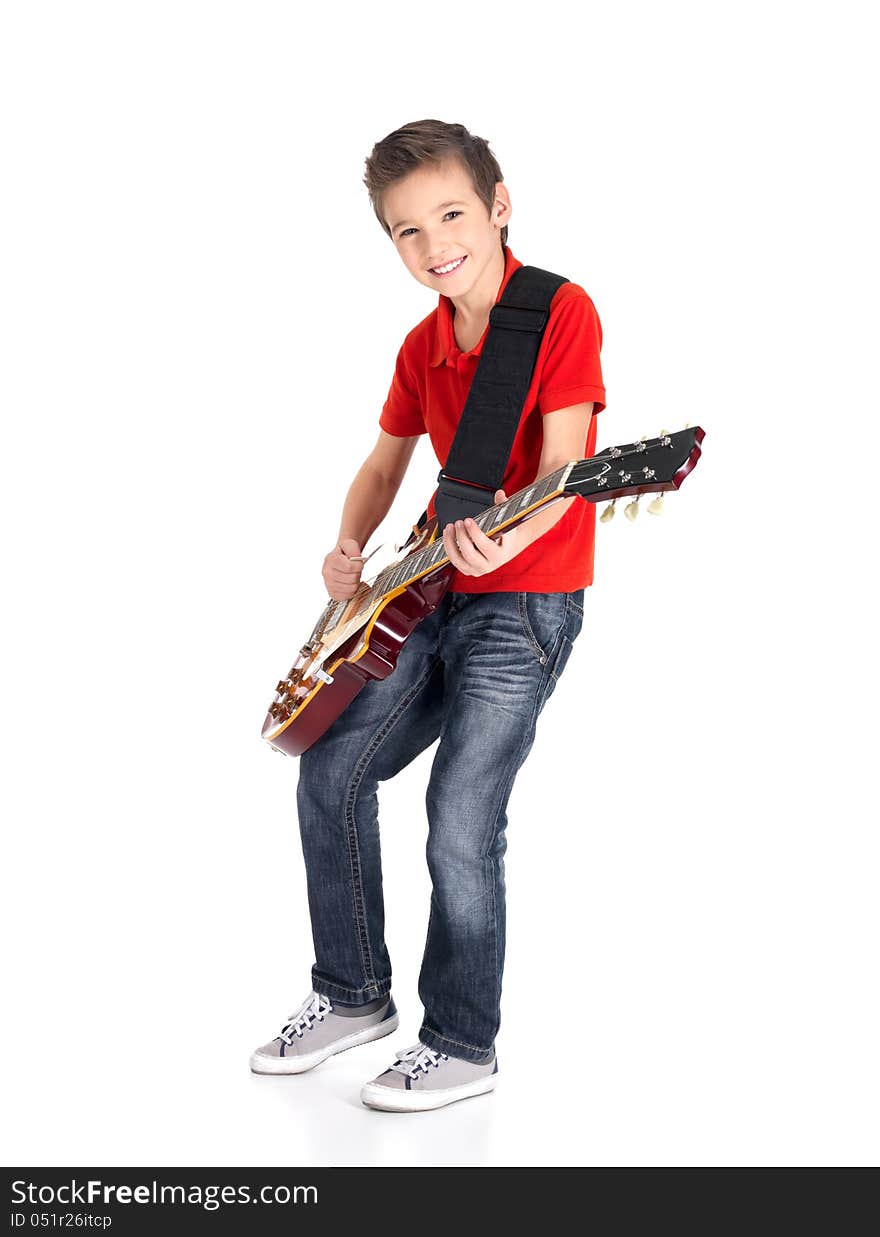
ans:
(475, 554)
(342, 569)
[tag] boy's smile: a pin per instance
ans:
(446, 237)
(442, 272)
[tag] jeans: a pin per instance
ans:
(475, 674)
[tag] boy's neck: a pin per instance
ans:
(472, 309)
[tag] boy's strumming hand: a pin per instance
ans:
(342, 569)
(475, 554)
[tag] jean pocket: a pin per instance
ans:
(575, 618)
(542, 616)
(561, 659)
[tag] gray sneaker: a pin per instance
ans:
(421, 1078)
(319, 1029)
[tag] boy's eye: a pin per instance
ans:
(448, 213)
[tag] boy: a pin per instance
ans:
(476, 673)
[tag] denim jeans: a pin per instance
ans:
(475, 674)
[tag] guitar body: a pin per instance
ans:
(384, 636)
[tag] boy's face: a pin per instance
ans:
(436, 217)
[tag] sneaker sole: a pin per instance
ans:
(261, 1064)
(376, 1096)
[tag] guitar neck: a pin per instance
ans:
(519, 507)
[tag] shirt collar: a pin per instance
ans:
(445, 347)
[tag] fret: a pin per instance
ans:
(546, 485)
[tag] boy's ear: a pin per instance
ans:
(503, 197)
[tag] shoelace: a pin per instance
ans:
(312, 1010)
(419, 1057)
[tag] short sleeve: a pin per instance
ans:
(572, 373)
(402, 411)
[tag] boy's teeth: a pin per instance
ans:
(450, 266)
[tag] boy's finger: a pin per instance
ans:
(476, 534)
(451, 548)
(352, 558)
(472, 553)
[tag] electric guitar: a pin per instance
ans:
(359, 638)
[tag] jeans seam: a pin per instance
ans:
(341, 987)
(449, 1040)
(555, 661)
(527, 628)
(490, 836)
(351, 824)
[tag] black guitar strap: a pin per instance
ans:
(480, 450)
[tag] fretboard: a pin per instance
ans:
(434, 555)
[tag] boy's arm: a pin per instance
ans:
(368, 501)
(565, 432)
(375, 485)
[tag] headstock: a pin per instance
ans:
(645, 467)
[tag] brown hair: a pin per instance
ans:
(429, 142)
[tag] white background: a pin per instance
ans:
(200, 316)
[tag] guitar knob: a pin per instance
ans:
(281, 688)
(631, 510)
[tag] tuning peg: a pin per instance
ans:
(687, 425)
(608, 513)
(631, 510)
(663, 433)
(656, 507)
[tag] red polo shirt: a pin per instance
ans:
(431, 380)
